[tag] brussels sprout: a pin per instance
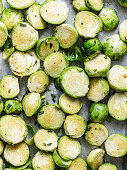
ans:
(31, 103)
(24, 36)
(109, 19)
(66, 34)
(98, 89)
(13, 106)
(95, 5)
(60, 161)
(1, 147)
(98, 112)
(10, 17)
(34, 18)
(88, 24)
(43, 160)
(18, 4)
(16, 155)
(78, 164)
(1, 6)
(51, 117)
(75, 53)
(79, 5)
(46, 140)
(123, 3)
(114, 48)
(123, 30)
(95, 158)
(3, 33)
(96, 134)
(108, 166)
(38, 82)
(1, 105)
(117, 78)
(24, 63)
(95, 68)
(46, 46)
(74, 126)
(92, 47)
(2, 165)
(54, 12)
(117, 105)
(68, 148)
(74, 81)
(8, 49)
(116, 145)
(9, 87)
(13, 129)
(69, 105)
(55, 63)
(57, 84)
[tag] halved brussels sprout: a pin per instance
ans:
(96, 134)
(31, 103)
(98, 89)
(12, 129)
(78, 164)
(1, 147)
(1, 105)
(75, 53)
(66, 34)
(55, 63)
(69, 105)
(24, 63)
(108, 166)
(24, 36)
(51, 117)
(92, 47)
(38, 82)
(43, 160)
(74, 126)
(74, 81)
(117, 78)
(114, 48)
(16, 155)
(88, 24)
(123, 30)
(109, 19)
(9, 87)
(95, 158)
(8, 49)
(1, 6)
(68, 148)
(13, 106)
(34, 18)
(116, 145)
(3, 33)
(46, 140)
(54, 12)
(60, 161)
(95, 5)
(10, 17)
(95, 68)
(46, 46)
(98, 112)
(123, 3)
(79, 5)
(18, 4)
(2, 165)
(117, 105)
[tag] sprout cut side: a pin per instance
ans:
(123, 30)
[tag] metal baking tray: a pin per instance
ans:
(114, 126)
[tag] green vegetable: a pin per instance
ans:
(3, 33)
(57, 84)
(79, 5)
(95, 5)
(13, 106)
(1, 105)
(1, 147)
(109, 19)
(18, 4)
(123, 31)
(92, 47)
(114, 48)
(123, 3)
(107, 166)
(1, 6)
(98, 112)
